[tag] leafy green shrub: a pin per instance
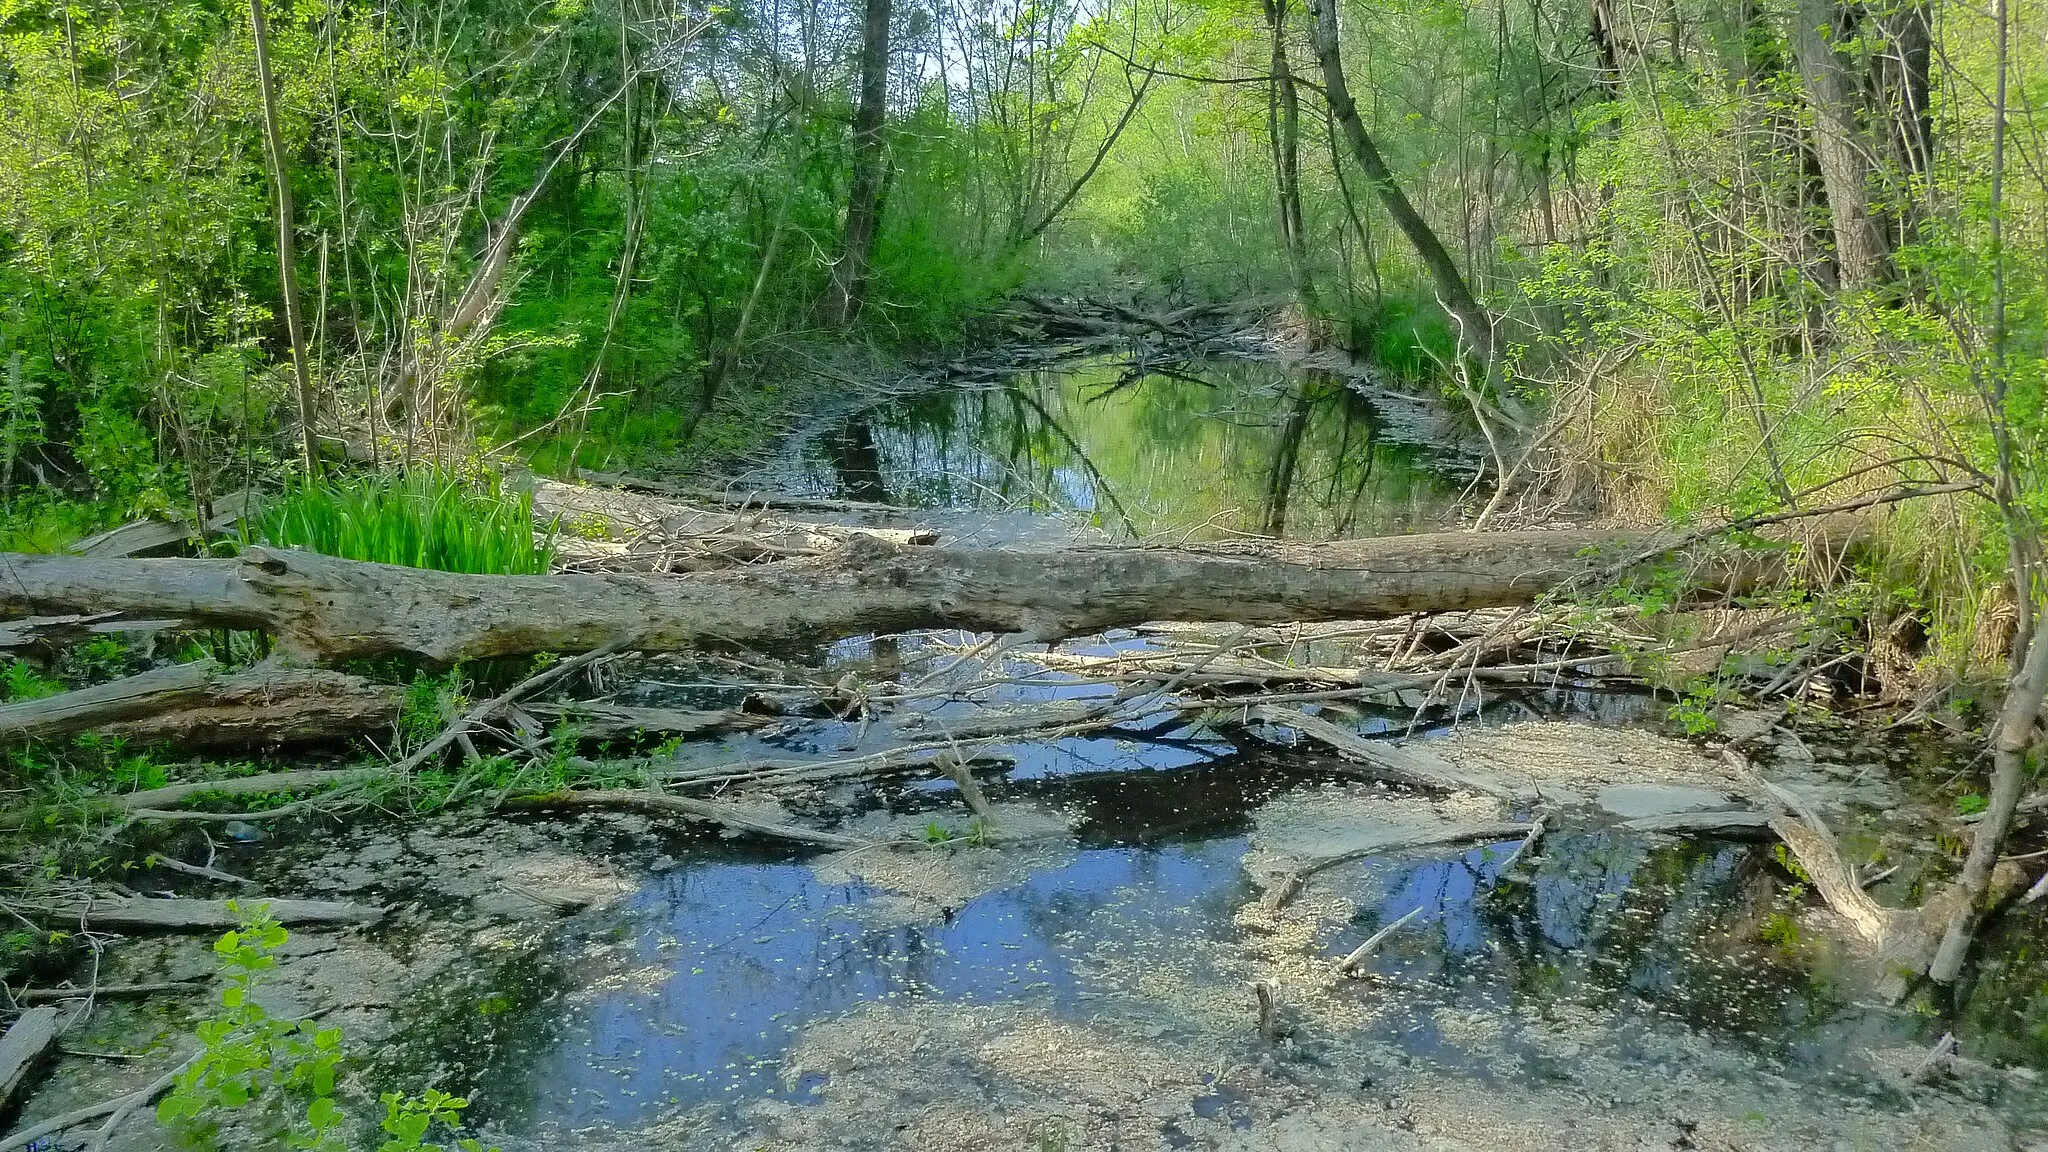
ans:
(248, 1057)
(422, 519)
(284, 1069)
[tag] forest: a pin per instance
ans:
(1190, 573)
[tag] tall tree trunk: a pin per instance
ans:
(1904, 78)
(1283, 122)
(1474, 322)
(287, 258)
(848, 289)
(1861, 249)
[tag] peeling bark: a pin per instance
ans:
(322, 609)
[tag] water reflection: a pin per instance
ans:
(1202, 450)
(695, 992)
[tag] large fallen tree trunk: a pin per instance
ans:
(321, 609)
(202, 705)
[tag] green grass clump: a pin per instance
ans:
(422, 519)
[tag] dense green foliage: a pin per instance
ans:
(1751, 257)
(422, 519)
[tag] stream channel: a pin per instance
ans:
(1085, 980)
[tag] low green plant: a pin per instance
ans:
(431, 701)
(283, 1068)
(98, 660)
(420, 519)
(284, 1071)
(1971, 803)
(409, 1120)
(21, 681)
(1790, 863)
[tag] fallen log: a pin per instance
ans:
(742, 533)
(131, 697)
(318, 608)
(257, 785)
(107, 991)
(138, 913)
(706, 811)
(23, 1048)
(1396, 840)
(596, 721)
(202, 705)
(51, 634)
(1410, 764)
(270, 706)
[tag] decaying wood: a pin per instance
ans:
(136, 913)
(1349, 964)
(202, 705)
(107, 991)
(319, 608)
(144, 537)
(27, 1137)
(1734, 822)
(664, 535)
(598, 721)
(270, 706)
(706, 811)
(1396, 840)
(23, 1048)
(51, 634)
(144, 694)
(1407, 764)
(295, 781)
(738, 498)
(1269, 1010)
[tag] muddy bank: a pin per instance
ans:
(604, 980)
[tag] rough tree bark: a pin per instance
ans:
(1474, 322)
(287, 259)
(1861, 248)
(202, 705)
(843, 298)
(318, 608)
(2011, 740)
(1283, 122)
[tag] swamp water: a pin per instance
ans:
(1084, 980)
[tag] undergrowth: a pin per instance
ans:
(261, 1081)
(419, 519)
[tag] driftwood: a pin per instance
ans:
(706, 811)
(49, 634)
(257, 785)
(596, 721)
(743, 498)
(319, 608)
(119, 1106)
(136, 913)
(1407, 764)
(668, 536)
(107, 991)
(1350, 963)
(1733, 822)
(23, 1048)
(1397, 841)
(141, 695)
(202, 705)
(144, 537)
